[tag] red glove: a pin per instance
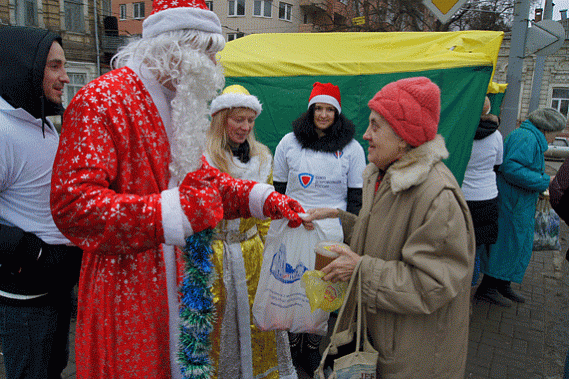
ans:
(200, 199)
(280, 206)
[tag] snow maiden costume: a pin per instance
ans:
(240, 349)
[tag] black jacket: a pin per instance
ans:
(23, 56)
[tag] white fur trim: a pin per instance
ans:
(235, 100)
(257, 197)
(414, 167)
(326, 99)
(180, 18)
(169, 256)
(174, 222)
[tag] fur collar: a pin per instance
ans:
(336, 137)
(414, 167)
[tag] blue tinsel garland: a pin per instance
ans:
(196, 311)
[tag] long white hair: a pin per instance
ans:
(184, 59)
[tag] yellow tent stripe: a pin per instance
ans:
(295, 54)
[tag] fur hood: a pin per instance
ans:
(414, 167)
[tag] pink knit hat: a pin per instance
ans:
(326, 93)
(412, 108)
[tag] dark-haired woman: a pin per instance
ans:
(320, 164)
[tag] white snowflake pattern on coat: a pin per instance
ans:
(109, 172)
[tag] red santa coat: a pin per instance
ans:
(107, 197)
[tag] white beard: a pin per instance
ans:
(198, 83)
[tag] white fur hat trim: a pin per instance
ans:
(180, 18)
(235, 100)
(327, 99)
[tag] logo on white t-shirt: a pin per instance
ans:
(305, 179)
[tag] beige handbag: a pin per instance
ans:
(362, 362)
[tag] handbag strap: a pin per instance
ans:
(361, 321)
(361, 318)
(343, 308)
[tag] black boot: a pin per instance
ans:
(506, 290)
(487, 291)
(295, 341)
(311, 353)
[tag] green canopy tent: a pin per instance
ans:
(281, 68)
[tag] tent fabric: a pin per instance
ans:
(313, 54)
(280, 69)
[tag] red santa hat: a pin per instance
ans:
(325, 93)
(169, 15)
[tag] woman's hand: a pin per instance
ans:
(341, 268)
(318, 214)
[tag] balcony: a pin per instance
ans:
(320, 5)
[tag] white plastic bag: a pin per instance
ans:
(281, 302)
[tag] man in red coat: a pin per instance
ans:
(129, 184)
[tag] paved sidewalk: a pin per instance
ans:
(528, 340)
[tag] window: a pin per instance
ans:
(285, 11)
(237, 7)
(262, 8)
(27, 13)
(232, 36)
(76, 81)
(560, 100)
(74, 16)
(107, 10)
(209, 5)
(123, 12)
(138, 11)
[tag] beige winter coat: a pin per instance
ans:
(417, 240)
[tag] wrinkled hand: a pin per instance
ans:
(341, 268)
(318, 214)
(281, 206)
(200, 200)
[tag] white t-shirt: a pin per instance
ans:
(479, 178)
(317, 178)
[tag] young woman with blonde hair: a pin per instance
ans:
(239, 348)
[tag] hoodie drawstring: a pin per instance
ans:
(42, 115)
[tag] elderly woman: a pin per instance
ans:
(520, 179)
(415, 237)
(239, 348)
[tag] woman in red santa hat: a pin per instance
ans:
(130, 184)
(320, 164)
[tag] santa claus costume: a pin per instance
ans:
(129, 184)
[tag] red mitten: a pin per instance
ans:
(200, 200)
(280, 206)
